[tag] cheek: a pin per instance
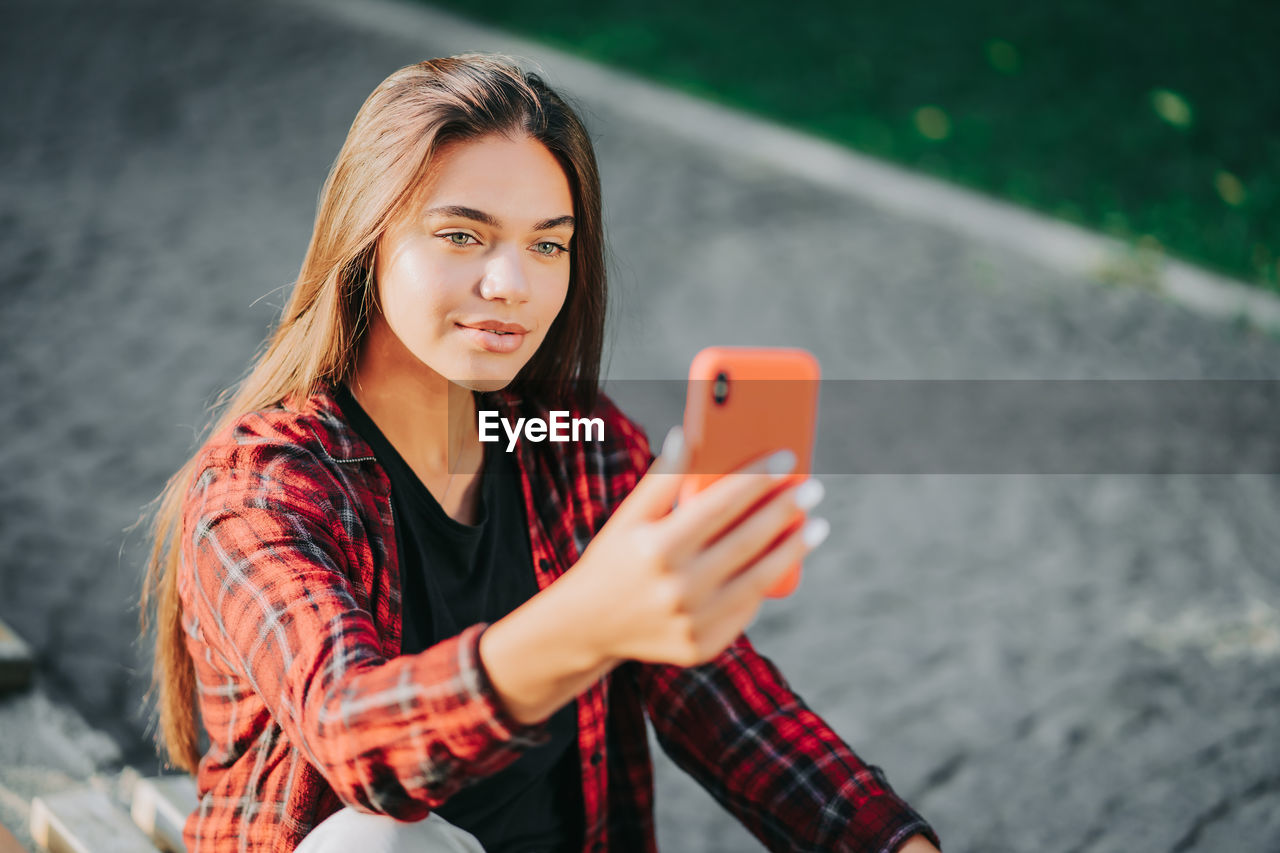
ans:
(417, 293)
(557, 290)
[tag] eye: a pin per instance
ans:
(454, 242)
(556, 248)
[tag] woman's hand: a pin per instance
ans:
(678, 585)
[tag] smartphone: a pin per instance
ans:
(743, 403)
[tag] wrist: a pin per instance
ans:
(536, 658)
(574, 601)
(918, 844)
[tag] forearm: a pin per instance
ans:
(736, 726)
(537, 658)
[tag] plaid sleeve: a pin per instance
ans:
(266, 586)
(735, 726)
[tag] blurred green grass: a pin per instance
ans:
(1156, 123)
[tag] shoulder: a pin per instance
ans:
(589, 476)
(625, 441)
(620, 447)
(301, 441)
(609, 466)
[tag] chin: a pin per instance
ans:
(484, 386)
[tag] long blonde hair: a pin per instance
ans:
(383, 163)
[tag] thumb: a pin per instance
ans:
(656, 492)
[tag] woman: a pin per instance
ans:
(401, 637)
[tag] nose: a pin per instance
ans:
(504, 278)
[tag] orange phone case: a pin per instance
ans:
(771, 403)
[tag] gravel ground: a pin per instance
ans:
(1043, 663)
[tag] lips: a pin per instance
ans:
(497, 327)
(494, 338)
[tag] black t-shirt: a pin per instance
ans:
(454, 575)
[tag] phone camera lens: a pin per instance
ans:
(720, 390)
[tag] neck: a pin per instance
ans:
(428, 419)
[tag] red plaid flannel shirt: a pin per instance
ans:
(291, 605)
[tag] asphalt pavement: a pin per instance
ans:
(1076, 662)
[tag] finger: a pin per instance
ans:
(704, 517)
(743, 594)
(653, 496)
(736, 605)
(750, 539)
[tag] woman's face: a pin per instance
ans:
(487, 248)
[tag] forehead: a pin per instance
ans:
(517, 180)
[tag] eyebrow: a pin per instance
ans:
(492, 221)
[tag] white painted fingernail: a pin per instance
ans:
(673, 445)
(808, 494)
(815, 530)
(781, 463)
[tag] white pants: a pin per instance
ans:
(347, 829)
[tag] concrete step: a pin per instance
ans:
(17, 664)
(160, 805)
(92, 818)
(46, 747)
(85, 820)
